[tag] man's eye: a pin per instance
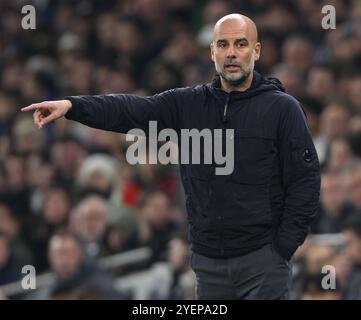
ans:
(222, 45)
(241, 44)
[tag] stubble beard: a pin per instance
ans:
(237, 81)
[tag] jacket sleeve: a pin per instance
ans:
(122, 112)
(301, 179)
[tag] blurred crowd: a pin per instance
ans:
(69, 198)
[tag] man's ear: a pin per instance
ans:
(257, 51)
(211, 46)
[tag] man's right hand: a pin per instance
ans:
(48, 111)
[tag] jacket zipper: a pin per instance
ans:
(226, 109)
(224, 120)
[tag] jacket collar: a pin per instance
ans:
(259, 84)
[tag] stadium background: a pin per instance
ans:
(71, 178)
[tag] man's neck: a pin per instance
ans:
(243, 87)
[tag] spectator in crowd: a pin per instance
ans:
(66, 154)
(339, 155)
(54, 215)
(67, 261)
(96, 175)
(16, 191)
(290, 79)
(12, 228)
(177, 282)
(332, 212)
(352, 233)
(321, 83)
(333, 124)
(352, 178)
(298, 54)
(169, 279)
(10, 267)
(156, 224)
(89, 221)
(334, 119)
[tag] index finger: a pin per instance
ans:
(33, 106)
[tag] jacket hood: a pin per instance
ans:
(259, 84)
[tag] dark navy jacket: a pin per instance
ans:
(272, 194)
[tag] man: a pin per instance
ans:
(67, 260)
(88, 221)
(245, 226)
(10, 266)
(352, 233)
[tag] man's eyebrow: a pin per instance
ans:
(236, 40)
(241, 40)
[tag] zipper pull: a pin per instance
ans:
(225, 109)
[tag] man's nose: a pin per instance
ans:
(230, 52)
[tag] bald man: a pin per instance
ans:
(244, 226)
(234, 62)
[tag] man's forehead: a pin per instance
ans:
(234, 28)
(231, 35)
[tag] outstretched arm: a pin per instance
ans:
(113, 112)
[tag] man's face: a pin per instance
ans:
(157, 210)
(94, 224)
(65, 256)
(234, 51)
(90, 222)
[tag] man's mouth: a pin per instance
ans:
(232, 67)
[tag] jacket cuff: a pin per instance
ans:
(73, 112)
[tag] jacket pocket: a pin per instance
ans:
(198, 176)
(253, 156)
